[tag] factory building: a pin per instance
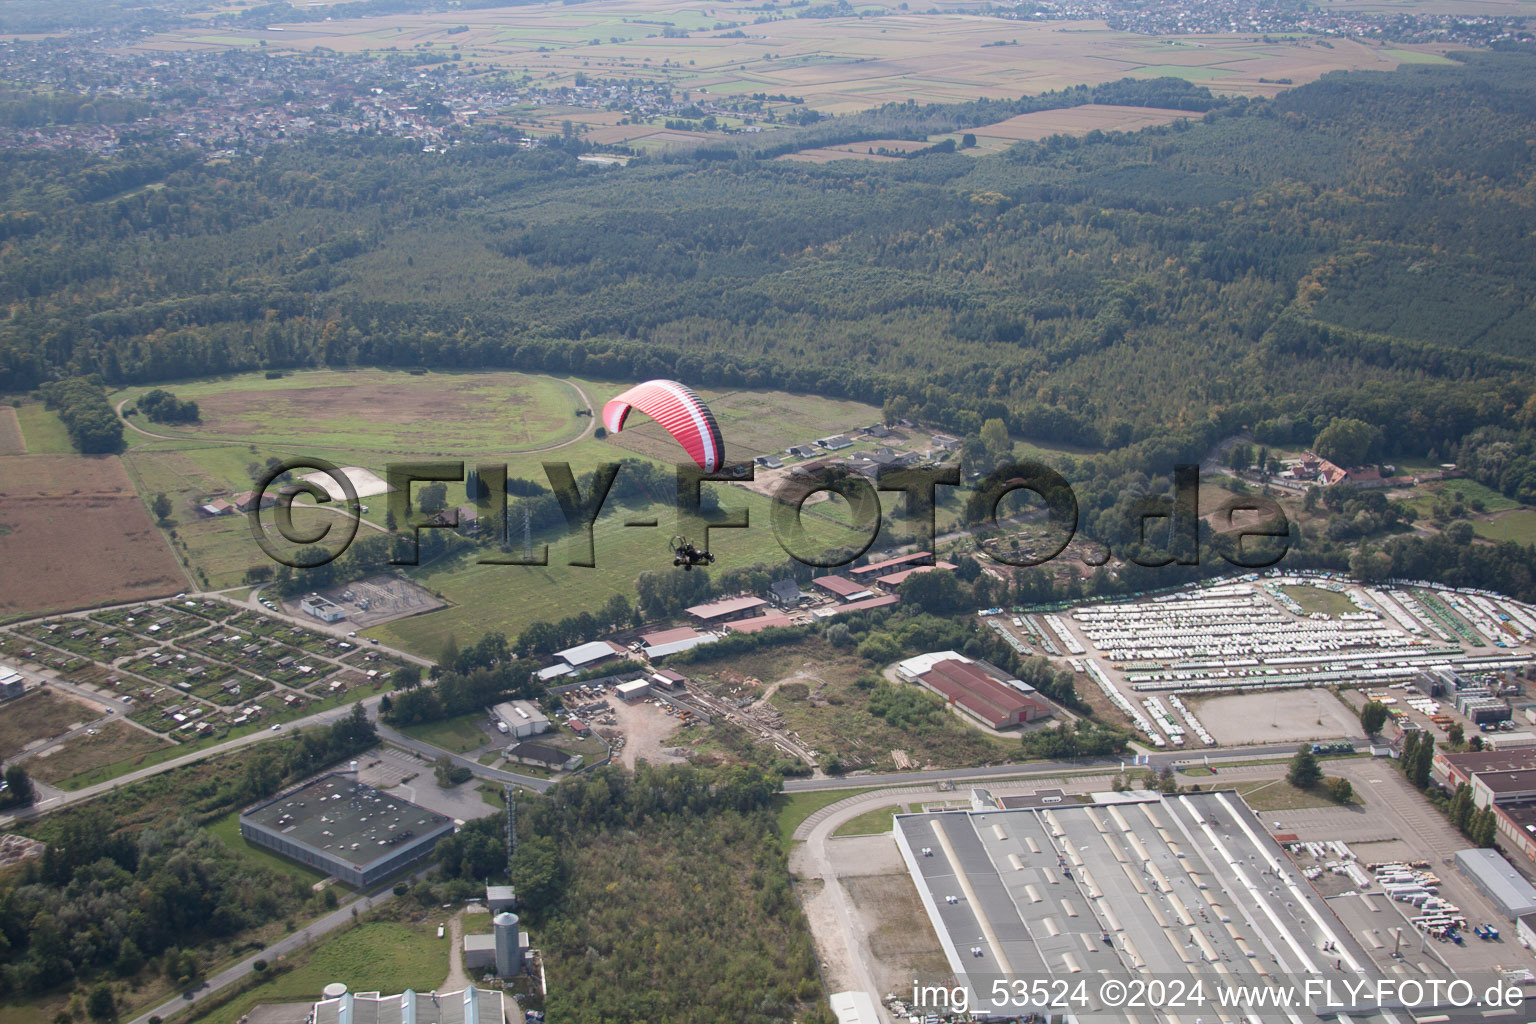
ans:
(995, 702)
(842, 588)
(322, 609)
(522, 719)
(1505, 887)
(659, 644)
(874, 570)
(581, 657)
(466, 1006)
(727, 610)
(1171, 887)
(345, 828)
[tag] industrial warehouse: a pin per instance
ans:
(987, 696)
(1188, 886)
(342, 827)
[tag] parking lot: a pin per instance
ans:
(1281, 716)
(388, 768)
(1396, 824)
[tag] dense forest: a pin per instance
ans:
(1267, 260)
(662, 896)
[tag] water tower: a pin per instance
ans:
(509, 957)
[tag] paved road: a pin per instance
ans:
(1155, 761)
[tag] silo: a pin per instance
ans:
(508, 953)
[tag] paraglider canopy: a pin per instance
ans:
(679, 411)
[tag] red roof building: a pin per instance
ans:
(896, 579)
(759, 623)
(981, 695)
(842, 587)
(727, 610)
(874, 569)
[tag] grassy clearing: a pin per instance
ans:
(1518, 526)
(450, 412)
(510, 597)
(227, 831)
(39, 715)
(460, 734)
(1469, 491)
(1314, 600)
(1279, 795)
(85, 759)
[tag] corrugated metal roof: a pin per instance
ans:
(1499, 879)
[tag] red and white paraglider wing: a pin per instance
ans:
(679, 411)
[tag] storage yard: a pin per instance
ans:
(1148, 656)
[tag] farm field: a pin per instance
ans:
(11, 440)
(42, 431)
(994, 138)
(73, 533)
(80, 759)
(836, 65)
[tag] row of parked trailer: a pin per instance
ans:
(1068, 641)
(1194, 723)
(1118, 699)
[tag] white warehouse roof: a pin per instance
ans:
(583, 654)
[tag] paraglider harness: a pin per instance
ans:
(687, 555)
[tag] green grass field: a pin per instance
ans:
(510, 597)
(374, 956)
(1518, 526)
(473, 417)
(1314, 599)
(379, 410)
(871, 822)
(460, 734)
(1423, 501)
(1279, 795)
(43, 431)
(793, 808)
(227, 831)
